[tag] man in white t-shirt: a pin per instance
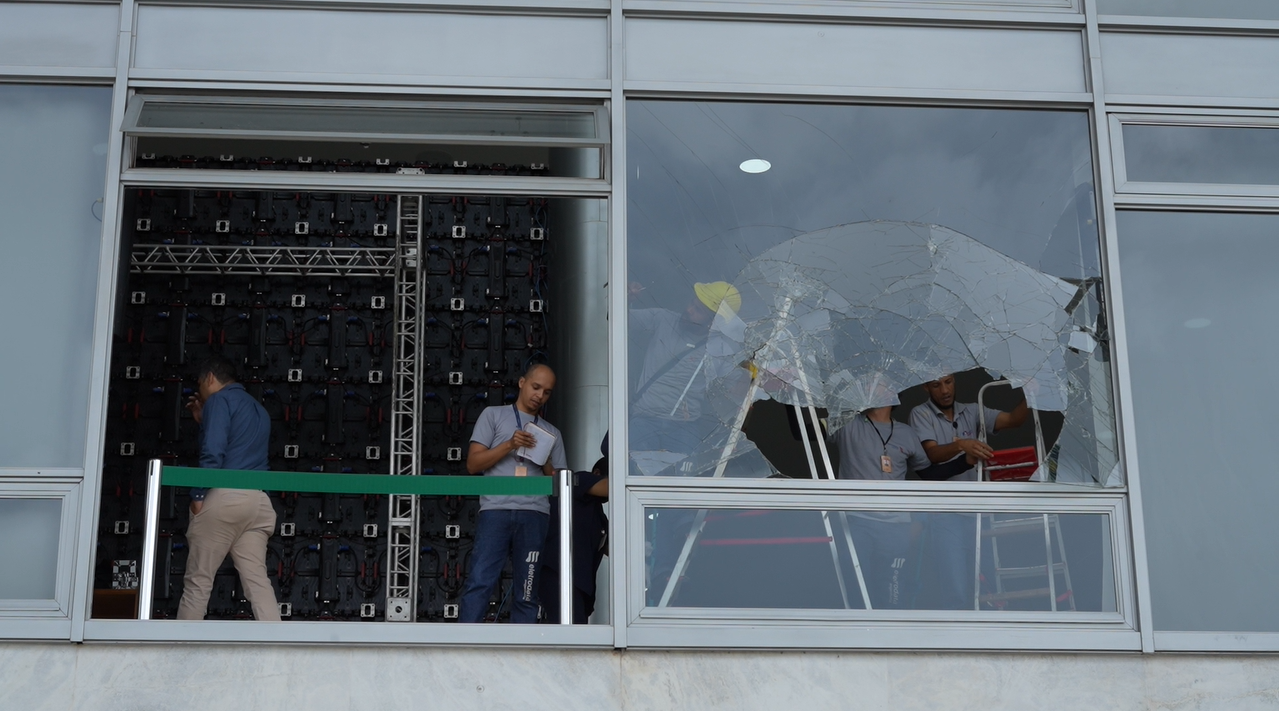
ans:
(511, 524)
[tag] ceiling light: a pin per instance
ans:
(1197, 323)
(755, 165)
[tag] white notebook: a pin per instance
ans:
(541, 449)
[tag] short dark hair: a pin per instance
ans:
(220, 367)
(601, 467)
(534, 366)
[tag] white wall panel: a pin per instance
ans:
(353, 46)
(807, 58)
(58, 38)
(1176, 65)
(110, 677)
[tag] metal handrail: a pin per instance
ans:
(560, 485)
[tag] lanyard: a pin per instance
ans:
(892, 426)
(519, 425)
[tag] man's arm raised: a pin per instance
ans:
(480, 458)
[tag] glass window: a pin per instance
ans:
(335, 156)
(53, 155)
(32, 527)
(797, 263)
(1198, 293)
(204, 117)
(1201, 154)
(898, 560)
(370, 137)
(1228, 9)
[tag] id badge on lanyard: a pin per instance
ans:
(885, 461)
(521, 469)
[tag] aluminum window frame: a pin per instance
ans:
(1134, 116)
(1174, 640)
(300, 632)
(990, 12)
(137, 104)
(612, 186)
(912, 629)
(926, 629)
(38, 484)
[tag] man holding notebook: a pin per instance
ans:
(512, 440)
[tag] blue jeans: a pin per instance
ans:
(499, 534)
(952, 540)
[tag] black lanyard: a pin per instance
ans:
(518, 423)
(891, 426)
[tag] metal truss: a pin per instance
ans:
(402, 533)
(254, 260)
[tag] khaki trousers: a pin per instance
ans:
(237, 521)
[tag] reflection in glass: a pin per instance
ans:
(885, 247)
(1202, 154)
(1225, 9)
(743, 558)
(366, 120)
(1199, 297)
(358, 156)
(53, 163)
(30, 559)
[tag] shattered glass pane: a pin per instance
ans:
(884, 248)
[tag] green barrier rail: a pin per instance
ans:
(323, 483)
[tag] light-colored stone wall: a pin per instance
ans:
(132, 677)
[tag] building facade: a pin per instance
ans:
(730, 227)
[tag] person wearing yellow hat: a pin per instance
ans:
(668, 403)
(718, 294)
(668, 400)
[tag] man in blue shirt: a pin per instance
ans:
(235, 431)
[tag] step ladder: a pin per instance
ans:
(1020, 525)
(1020, 464)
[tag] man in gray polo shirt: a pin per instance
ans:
(510, 524)
(873, 446)
(948, 431)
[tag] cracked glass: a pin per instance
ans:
(795, 269)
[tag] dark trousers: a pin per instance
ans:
(882, 548)
(501, 534)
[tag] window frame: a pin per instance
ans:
(1134, 116)
(772, 627)
(66, 488)
(358, 632)
(1175, 640)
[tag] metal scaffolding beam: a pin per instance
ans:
(402, 530)
(255, 260)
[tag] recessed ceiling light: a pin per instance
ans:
(1197, 323)
(755, 165)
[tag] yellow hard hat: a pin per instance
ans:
(716, 293)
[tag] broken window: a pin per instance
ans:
(792, 266)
